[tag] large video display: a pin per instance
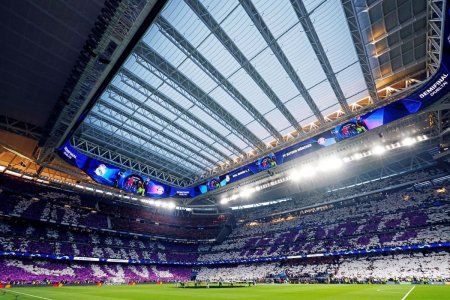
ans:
(126, 180)
(426, 95)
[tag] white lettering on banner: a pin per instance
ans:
(240, 173)
(436, 87)
(297, 150)
(69, 153)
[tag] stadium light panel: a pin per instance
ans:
(295, 175)
(308, 171)
(378, 150)
(408, 141)
(247, 192)
(357, 156)
(330, 163)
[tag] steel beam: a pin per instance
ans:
(151, 134)
(226, 41)
(279, 54)
(313, 38)
(208, 104)
(92, 149)
(184, 45)
(361, 51)
(123, 98)
(166, 159)
(20, 127)
(435, 13)
(108, 143)
(145, 89)
(128, 22)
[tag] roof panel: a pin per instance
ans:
(323, 95)
(156, 40)
(278, 18)
(308, 121)
(231, 105)
(351, 80)
(243, 33)
(220, 9)
(331, 109)
(331, 26)
(259, 130)
(299, 108)
(185, 21)
(243, 82)
(175, 96)
(218, 56)
(194, 130)
(278, 120)
(199, 113)
(224, 150)
(197, 75)
(237, 141)
(298, 50)
(273, 73)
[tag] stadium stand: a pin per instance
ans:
(43, 220)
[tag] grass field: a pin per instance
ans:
(170, 292)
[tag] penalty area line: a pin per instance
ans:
(409, 292)
(27, 294)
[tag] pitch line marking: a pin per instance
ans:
(27, 294)
(409, 292)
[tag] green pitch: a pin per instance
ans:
(285, 292)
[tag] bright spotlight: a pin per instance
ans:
(378, 150)
(247, 192)
(357, 156)
(171, 205)
(234, 197)
(408, 141)
(308, 171)
(224, 201)
(330, 163)
(295, 175)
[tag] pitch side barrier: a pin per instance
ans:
(222, 262)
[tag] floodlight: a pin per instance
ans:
(295, 175)
(378, 150)
(307, 171)
(408, 141)
(357, 156)
(247, 192)
(330, 163)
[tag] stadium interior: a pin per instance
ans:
(157, 148)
